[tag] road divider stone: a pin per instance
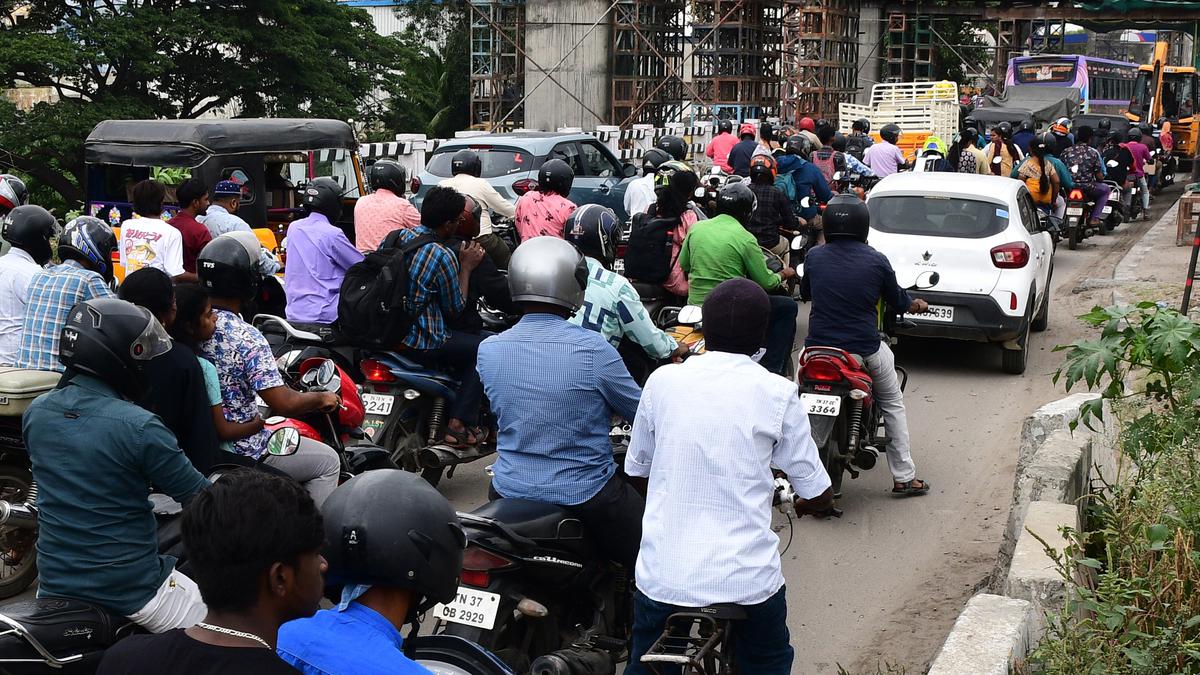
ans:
(991, 634)
(1032, 574)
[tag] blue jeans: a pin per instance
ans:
(781, 333)
(761, 643)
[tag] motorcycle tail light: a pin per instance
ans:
(375, 371)
(1014, 255)
(476, 578)
(478, 564)
(524, 185)
(822, 371)
(1076, 195)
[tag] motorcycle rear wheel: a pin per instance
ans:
(1072, 237)
(18, 552)
(831, 457)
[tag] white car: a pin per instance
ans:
(987, 242)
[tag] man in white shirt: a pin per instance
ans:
(706, 533)
(639, 194)
(467, 167)
(28, 229)
(149, 241)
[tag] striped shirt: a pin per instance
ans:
(612, 308)
(52, 294)
(433, 286)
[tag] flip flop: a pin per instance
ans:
(908, 490)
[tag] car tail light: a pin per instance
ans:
(524, 185)
(822, 371)
(414, 184)
(376, 371)
(1076, 195)
(1011, 256)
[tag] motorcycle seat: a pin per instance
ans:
(650, 291)
(539, 521)
(60, 626)
(413, 367)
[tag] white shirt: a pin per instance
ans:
(639, 195)
(706, 535)
(482, 191)
(151, 242)
(16, 271)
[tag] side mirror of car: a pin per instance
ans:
(628, 170)
(927, 280)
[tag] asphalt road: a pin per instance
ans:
(883, 584)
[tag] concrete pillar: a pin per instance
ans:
(870, 48)
(412, 152)
(554, 29)
(611, 137)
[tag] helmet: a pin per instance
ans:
(387, 174)
(1046, 142)
(823, 124)
(969, 121)
(92, 240)
(674, 146)
(747, 129)
(1059, 129)
(112, 340)
(593, 229)
(807, 124)
(1064, 122)
(391, 528)
(1134, 134)
(1160, 121)
(846, 216)
(934, 144)
(1004, 129)
(737, 200)
(1104, 124)
(324, 196)
(725, 126)
(678, 179)
(652, 159)
(547, 270)
(30, 228)
(13, 192)
(800, 146)
(862, 124)
(890, 133)
(466, 161)
(971, 134)
(839, 142)
(1026, 125)
(762, 164)
(556, 176)
(1146, 128)
(228, 266)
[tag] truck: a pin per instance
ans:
(1165, 92)
(920, 109)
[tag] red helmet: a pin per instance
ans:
(747, 129)
(807, 124)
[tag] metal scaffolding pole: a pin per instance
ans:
(820, 57)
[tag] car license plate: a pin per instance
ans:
(470, 608)
(818, 404)
(1075, 212)
(937, 313)
(1107, 210)
(377, 404)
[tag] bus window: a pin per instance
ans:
(1178, 95)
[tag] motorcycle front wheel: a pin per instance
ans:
(18, 553)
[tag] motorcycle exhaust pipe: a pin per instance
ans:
(443, 456)
(18, 515)
(574, 661)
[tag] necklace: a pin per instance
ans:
(234, 633)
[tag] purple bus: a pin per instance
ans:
(1105, 86)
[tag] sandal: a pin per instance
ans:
(908, 489)
(467, 438)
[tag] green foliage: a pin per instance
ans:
(432, 93)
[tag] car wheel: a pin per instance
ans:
(1042, 321)
(1014, 360)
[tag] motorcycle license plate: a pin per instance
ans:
(937, 313)
(377, 404)
(819, 404)
(1075, 211)
(1107, 210)
(471, 608)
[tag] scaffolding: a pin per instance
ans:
(736, 57)
(497, 64)
(647, 62)
(820, 57)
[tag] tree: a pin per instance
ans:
(432, 95)
(956, 41)
(178, 59)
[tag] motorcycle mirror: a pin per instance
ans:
(837, 175)
(805, 202)
(689, 315)
(283, 442)
(798, 242)
(327, 378)
(927, 280)
(287, 359)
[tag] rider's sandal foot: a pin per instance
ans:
(910, 488)
(464, 438)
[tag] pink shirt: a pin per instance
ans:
(376, 215)
(542, 214)
(677, 282)
(718, 150)
(1141, 155)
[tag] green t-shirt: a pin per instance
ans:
(720, 249)
(213, 386)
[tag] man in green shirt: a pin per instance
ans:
(722, 248)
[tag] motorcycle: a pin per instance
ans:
(1114, 213)
(1168, 164)
(836, 390)
(18, 492)
(535, 593)
(1078, 218)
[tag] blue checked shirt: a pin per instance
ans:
(433, 285)
(554, 387)
(52, 294)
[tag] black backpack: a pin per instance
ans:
(648, 253)
(857, 145)
(373, 305)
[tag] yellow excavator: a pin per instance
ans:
(1168, 92)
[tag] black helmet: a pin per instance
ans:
(1026, 125)
(861, 124)
(846, 216)
(1004, 129)
(725, 127)
(1104, 124)
(391, 528)
(466, 161)
(89, 239)
(1044, 142)
(1134, 134)
(593, 229)
(677, 180)
(971, 134)
(737, 199)
(30, 228)
(1160, 121)
(674, 146)
(890, 133)
(387, 174)
(556, 176)
(800, 146)
(112, 340)
(323, 196)
(13, 192)
(839, 142)
(229, 267)
(969, 121)
(823, 123)
(652, 159)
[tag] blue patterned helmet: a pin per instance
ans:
(90, 240)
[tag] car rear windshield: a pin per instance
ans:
(496, 162)
(936, 216)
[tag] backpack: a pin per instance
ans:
(787, 184)
(825, 160)
(856, 145)
(373, 305)
(648, 256)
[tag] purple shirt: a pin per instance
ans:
(883, 158)
(318, 255)
(1141, 155)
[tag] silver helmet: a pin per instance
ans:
(547, 270)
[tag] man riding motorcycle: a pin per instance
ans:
(845, 280)
(639, 195)
(806, 177)
(13, 193)
(28, 230)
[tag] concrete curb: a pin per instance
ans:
(1032, 575)
(989, 636)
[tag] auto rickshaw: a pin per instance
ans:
(269, 158)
